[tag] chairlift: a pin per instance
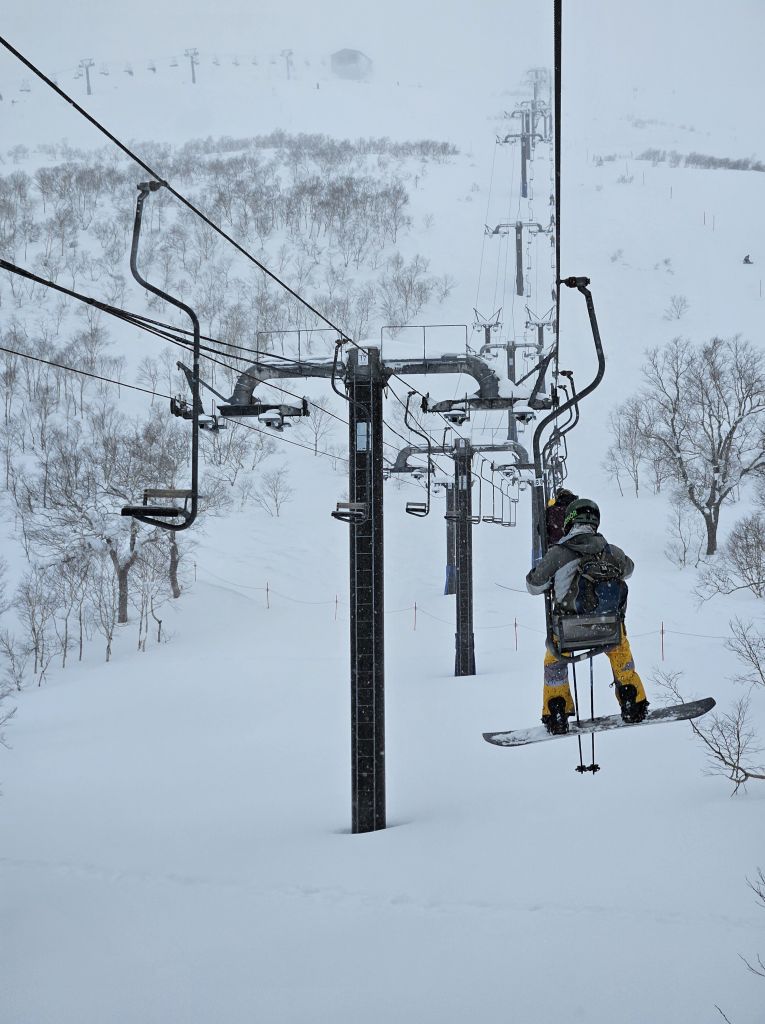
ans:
(353, 512)
(574, 637)
(146, 512)
(580, 635)
(511, 519)
(269, 413)
(457, 415)
(477, 518)
(419, 508)
(274, 419)
(212, 422)
(155, 515)
(493, 518)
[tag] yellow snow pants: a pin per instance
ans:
(556, 674)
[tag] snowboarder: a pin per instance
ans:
(748, 259)
(559, 570)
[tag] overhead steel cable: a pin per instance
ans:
(173, 191)
(155, 327)
(160, 394)
(558, 58)
(186, 202)
(85, 373)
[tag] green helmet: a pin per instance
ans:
(583, 511)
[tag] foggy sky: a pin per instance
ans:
(698, 52)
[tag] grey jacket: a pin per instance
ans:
(558, 567)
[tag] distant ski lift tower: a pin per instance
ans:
(86, 64)
(287, 54)
(193, 54)
(464, 659)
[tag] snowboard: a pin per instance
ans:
(676, 713)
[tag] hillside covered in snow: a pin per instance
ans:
(176, 783)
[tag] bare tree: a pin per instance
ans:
(152, 589)
(729, 738)
(741, 561)
(702, 416)
(36, 606)
(629, 447)
(321, 421)
(16, 658)
(274, 491)
(686, 534)
(748, 644)
(105, 603)
(758, 888)
(677, 308)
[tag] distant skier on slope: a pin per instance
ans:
(563, 568)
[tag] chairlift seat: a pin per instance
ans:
(587, 632)
(159, 511)
(350, 511)
(156, 511)
(165, 492)
(417, 508)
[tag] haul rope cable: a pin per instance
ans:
(181, 198)
(187, 203)
(159, 394)
(147, 325)
(137, 320)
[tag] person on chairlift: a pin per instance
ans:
(555, 513)
(559, 570)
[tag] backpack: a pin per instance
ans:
(597, 587)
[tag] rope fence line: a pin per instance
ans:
(341, 601)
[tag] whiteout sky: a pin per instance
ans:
(702, 55)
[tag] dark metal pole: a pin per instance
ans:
(450, 587)
(519, 285)
(364, 382)
(464, 660)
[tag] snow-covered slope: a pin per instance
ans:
(176, 823)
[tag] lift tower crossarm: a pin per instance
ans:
(263, 370)
(473, 366)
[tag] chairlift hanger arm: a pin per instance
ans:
(580, 283)
(145, 513)
(418, 508)
(202, 383)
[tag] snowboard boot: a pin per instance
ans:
(633, 711)
(556, 721)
